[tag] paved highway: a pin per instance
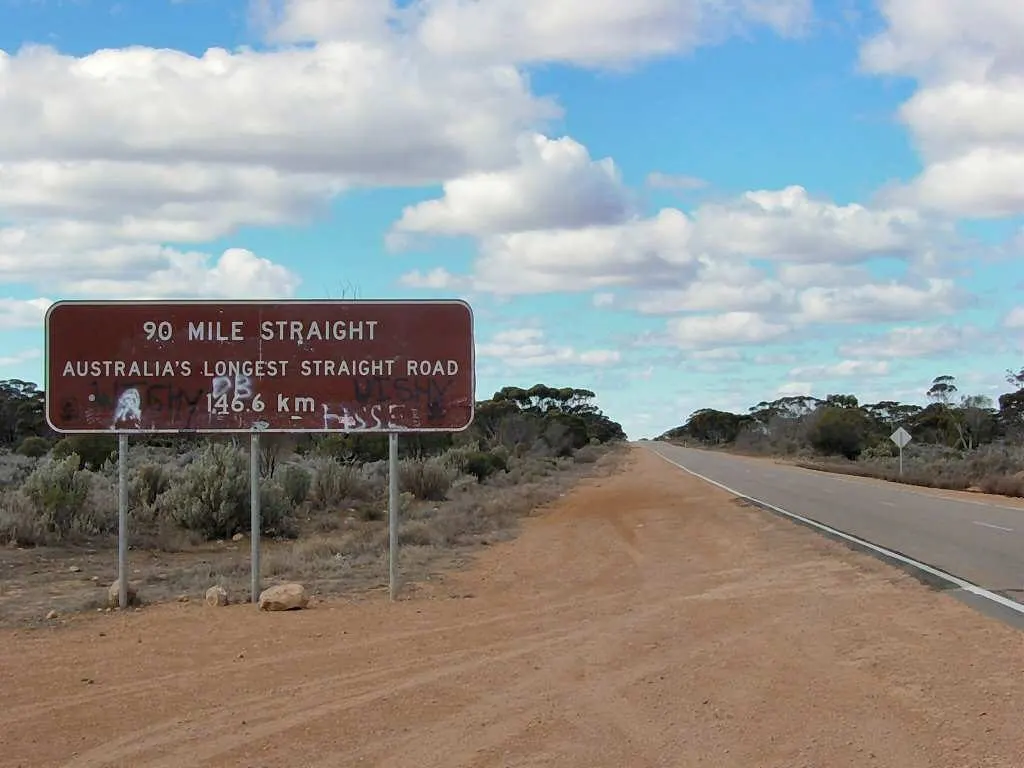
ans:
(979, 542)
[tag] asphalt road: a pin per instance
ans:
(979, 542)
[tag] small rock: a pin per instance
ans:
(114, 594)
(284, 597)
(183, 598)
(238, 537)
(216, 596)
(95, 578)
(75, 569)
(52, 615)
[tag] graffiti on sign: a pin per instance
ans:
(290, 366)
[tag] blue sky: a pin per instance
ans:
(676, 203)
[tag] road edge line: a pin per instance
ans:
(956, 581)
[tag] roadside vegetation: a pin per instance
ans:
(324, 499)
(960, 441)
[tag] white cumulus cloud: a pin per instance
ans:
(879, 302)
(93, 184)
(730, 328)
(22, 313)
(1014, 319)
(589, 258)
(843, 368)
(967, 116)
(528, 196)
(905, 342)
(690, 258)
(595, 32)
(529, 348)
(790, 225)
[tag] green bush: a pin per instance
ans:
(456, 458)
(276, 509)
(883, 449)
(426, 479)
(212, 495)
(60, 493)
(588, 454)
(335, 483)
(482, 465)
(839, 431)
(19, 523)
(148, 482)
(297, 482)
(34, 447)
(352, 448)
(92, 450)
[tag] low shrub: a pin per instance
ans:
(58, 490)
(33, 447)
(212, 496)
(15, 468)
(482, 465)
(92, 450)
(883, 449)
(297, 482)
(276, 510)
(426, 479)
(19, 522)
(334, 483)
(147, 482)
(68, 500)
(588, 454)
(1004, 485)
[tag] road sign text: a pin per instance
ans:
(281, 366)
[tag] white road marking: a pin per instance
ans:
(966, 586)
(990, 525)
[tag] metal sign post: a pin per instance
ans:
(901, 437)
(296, 366)
(254, 513)
(393, 503)
(122, 521)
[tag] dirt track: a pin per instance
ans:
(647, 620)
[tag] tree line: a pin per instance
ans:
(840, 425)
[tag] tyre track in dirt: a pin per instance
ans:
(14, 715)
(493, 723)
(645, 620)
(298, 705)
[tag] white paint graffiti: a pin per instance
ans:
(129, 408)
(348, 418)
(242, 386)
(228, 390)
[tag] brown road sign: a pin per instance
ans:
(282, 366)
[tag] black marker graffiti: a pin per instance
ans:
(70, 409)
(425, 394)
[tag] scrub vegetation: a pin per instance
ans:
(323, 499)
(960, 442)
